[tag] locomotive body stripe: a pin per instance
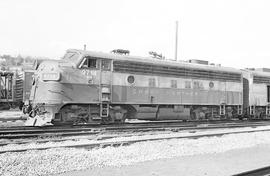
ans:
(145, 95)
(120, 79)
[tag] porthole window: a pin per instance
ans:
(131, 79)
(211, 84)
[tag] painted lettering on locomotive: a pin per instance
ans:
(95, 87)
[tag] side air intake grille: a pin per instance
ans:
(145, 68)
(261, 79)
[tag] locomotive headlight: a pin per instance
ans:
(52, 76)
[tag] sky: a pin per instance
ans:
(234, 33)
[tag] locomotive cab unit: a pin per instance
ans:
(256, 91)
(95, 87)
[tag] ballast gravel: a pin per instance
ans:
(11, 118)
(60, 160)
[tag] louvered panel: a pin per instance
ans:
(261, 79)
(143, 68)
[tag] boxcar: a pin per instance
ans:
(15, 87)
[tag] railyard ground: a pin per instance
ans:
(226, 155)
(12, 117)
(11, 114)
(215, 164)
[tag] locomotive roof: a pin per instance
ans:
(153, 61)
(258, 73)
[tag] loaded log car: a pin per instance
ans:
(94, 87)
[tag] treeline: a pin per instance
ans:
(8, 62)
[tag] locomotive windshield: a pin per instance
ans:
(71, 56)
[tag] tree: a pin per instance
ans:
(18, 60)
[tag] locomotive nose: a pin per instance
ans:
(46, 93)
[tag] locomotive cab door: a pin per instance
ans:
(105, 87)
(105, 79)
(99, 72)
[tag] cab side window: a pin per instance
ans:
(90, 62)
(105, 64)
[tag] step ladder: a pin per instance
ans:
(239, 110)
(222, 109)
(252, 110)
(105, 98)
(104, 109)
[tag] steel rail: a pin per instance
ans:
(112, 126)
(35, 133)
(129, 142)
(57, 132)
(138, 123)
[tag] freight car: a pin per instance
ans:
(8, 93)
(94, 87)
(15, 88)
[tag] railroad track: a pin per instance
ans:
(37, 132)
(127, 141)
(139, 123)
(27, 135)
(12, 119)
(264, 171)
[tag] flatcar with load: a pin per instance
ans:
(95, 87)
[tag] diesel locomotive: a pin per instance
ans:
(95, 87)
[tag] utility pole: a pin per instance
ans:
(176, 40)
(84, 47)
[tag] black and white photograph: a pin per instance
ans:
(134, 87)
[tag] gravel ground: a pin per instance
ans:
(11, 115)
(222, 164)
(55, 161)
(12, 123)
